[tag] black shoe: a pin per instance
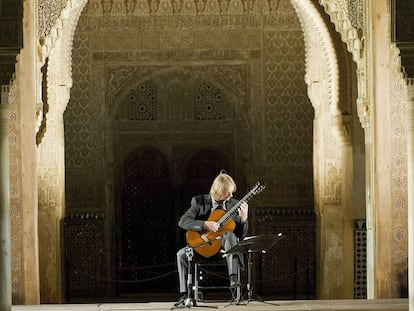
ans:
(181, 301)
(234, 282)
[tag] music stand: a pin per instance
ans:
(254, 244)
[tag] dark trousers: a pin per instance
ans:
(233, 260)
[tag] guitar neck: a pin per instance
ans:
(231, 212)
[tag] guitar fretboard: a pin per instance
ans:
(256, 190)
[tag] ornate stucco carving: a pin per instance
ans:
(16, 213)
(349, 20)
(55, 46)
(322, 78)
(321, 62)
(322, 75)
(120, 77)
(398, 141)
(338, 12)
(48, 12)
(257, 10)
(61, 32)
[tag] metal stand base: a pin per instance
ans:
(190, 302)
(252, 245)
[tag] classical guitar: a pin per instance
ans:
(208, 243)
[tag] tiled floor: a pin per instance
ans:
(282, 305)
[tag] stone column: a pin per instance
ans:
(334, 221)
(51, 209)
(383, 135)
(5, 257)
(370, 220)
(51, 182)
(410, 188)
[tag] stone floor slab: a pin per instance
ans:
(284, 305)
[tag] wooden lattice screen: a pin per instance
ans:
(147, 222)
(360, 259)
(287, 270)
(86, 267)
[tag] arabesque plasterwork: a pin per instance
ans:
(56, 33)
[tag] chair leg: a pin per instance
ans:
(235, 292)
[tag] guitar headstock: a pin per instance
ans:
(258, 188)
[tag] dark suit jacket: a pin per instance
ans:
(199, 211)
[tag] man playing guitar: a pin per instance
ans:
(214, 221)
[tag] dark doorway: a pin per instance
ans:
(151, 203)
(146, 224)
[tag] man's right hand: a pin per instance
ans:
(211, 226)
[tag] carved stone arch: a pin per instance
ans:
(350, 30)
(131, 78)
(51, 167)
(115, 103)
(61, 39)
(321, 62)
(57, 47)
(353, 35)
(327, 80)
(333, 171)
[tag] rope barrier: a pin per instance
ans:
(160, 276)
(286, 276)
(163, 275)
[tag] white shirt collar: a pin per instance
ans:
(215, 204)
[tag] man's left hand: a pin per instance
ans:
(243, 211)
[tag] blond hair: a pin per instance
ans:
(221, 184)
